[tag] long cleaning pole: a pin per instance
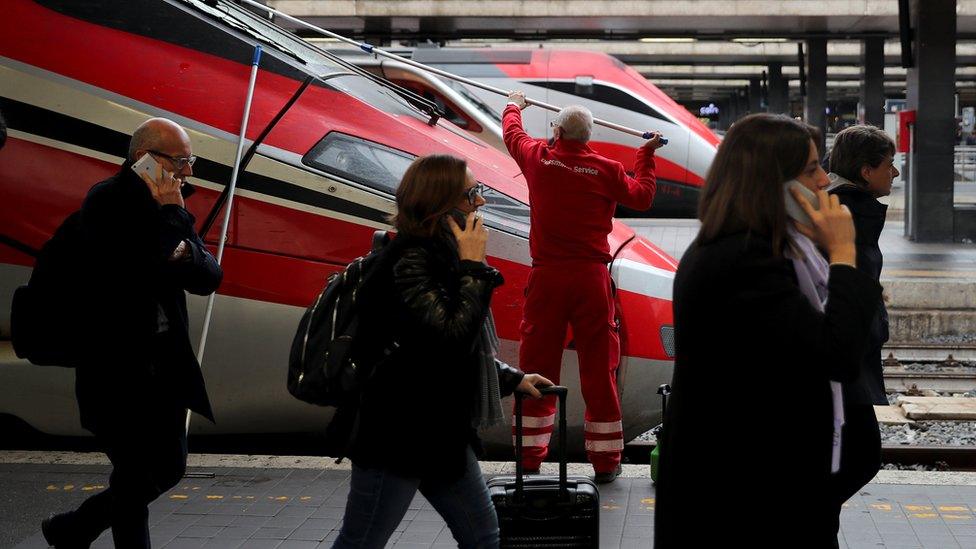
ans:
(377, 51)
(230, 203)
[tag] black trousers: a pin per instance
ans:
(148, 458)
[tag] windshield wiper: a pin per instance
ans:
(211, 9)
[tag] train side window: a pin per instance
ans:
(506, 213)
(359, 160)
(381, 168)
(601, 93)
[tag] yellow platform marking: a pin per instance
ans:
(924, 515)
(917, 508)
(953, 508)
(179, 496)
(957, 517)
(279, 498)
(69, 487)
(305, 498)
(92, 487)
(52, 488)
(215, 497)
(881, 506)
(610, 507)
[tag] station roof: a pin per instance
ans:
(692, 49)
(610, 19)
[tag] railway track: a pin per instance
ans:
(930, 352)
(945, 368)
(949, 458)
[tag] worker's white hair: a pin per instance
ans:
(576, 123)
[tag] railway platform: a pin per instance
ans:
(903, 258)
(929, 288)
(297, 502)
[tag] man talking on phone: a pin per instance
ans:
(573, 193)
(139, 374)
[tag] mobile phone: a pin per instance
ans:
(460, 217)
(146, 165)
(793, 208)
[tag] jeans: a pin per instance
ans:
(378, 500)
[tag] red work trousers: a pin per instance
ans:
(577, 295)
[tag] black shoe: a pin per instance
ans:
(52, 537)
(610, 476)
(46, 530)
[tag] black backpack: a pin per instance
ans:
(321, 367)
(46, 315)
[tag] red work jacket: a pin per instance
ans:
(573, 193)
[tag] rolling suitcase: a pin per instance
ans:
(546, 511)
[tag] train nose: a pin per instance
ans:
(644, 276)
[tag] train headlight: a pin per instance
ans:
(667, 340)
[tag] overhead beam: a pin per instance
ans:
(612, 19)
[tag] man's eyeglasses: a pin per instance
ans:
(179, 162)
(472, 194)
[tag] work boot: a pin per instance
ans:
(608, 476)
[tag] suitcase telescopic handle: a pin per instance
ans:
(560, 393)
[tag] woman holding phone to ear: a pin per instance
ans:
(422, 407)
(761, 330)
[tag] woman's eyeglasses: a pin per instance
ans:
(474, 193)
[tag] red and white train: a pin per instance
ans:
(77, 77)
(610, 89)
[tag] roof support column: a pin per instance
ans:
(872, 82)
(727, 113)
(779, 91)
(755, 95)
(815, 105)
(931, 87)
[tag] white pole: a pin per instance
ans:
(377, 51)
(230, 202)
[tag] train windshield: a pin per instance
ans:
(381, 168)
(602, 93)
(475, 101)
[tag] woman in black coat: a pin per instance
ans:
(862, 169)
(428, 300)
(748, 432)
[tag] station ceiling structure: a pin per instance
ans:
(692, 49)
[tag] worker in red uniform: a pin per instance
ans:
(573, 193)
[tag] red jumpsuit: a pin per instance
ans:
(573, 193)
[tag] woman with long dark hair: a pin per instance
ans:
(421, 409)
(761, 330)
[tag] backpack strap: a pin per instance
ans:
(380, 239)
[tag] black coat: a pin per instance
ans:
(130, 367)
(747, 433)
(869, 219)
(417, 409)
(861, 441)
